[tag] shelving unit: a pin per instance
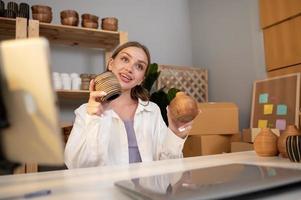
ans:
(105, 41)
(77, 36)
(73, 94)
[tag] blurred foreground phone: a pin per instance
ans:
(33, 135)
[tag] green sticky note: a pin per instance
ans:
(263, 98)
(281, 109)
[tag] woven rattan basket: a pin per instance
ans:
(191, 80)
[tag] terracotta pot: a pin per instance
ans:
(89, 24)
(109, 23)
(41, 9)
(68, 13)
(70, 21)
(90, 17)
(289, 131)
(265, 143)
(183, 108)
(42, 17)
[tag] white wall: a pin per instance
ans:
(227, 40)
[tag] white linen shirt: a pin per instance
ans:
(102, 140)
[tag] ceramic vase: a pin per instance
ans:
(107, 82)
(265, 143)
(290, 130)
(183, 108)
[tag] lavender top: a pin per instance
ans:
(134, 155)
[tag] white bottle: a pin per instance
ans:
(76, 83)
(66, 81)
(57, 81)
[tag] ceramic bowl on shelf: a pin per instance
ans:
(108, 83)
(89, 24)
(13, 6)
(70, 21)
(23, 10)
(109, 23)
(90, 17)
(89, 21)
(41, 9)
(2, 8)
(42, 17)
(9, 13)
(68, 13)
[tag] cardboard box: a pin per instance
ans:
(197, 145)
(216, 119)
(237, 137)
(241, 146)
(246, 135)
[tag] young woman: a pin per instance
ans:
(128, 129)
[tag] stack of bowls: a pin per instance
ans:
(42, 13)
(23, 10)
(2, 8)
(89, 21)
(69, 17)
(85, 80)
(109, 24)
(108, 83)
(12, 10)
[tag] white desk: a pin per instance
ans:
(98, 182)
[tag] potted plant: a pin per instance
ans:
(158, 96)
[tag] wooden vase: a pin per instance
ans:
(183, 108)
(265, 143)
(290, 130)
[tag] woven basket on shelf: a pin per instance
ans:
(191, 80)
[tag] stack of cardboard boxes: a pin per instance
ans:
(214, 129)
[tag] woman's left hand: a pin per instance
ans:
(179, 128)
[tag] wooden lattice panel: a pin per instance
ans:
(193, 81)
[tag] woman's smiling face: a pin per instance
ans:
(129, 66)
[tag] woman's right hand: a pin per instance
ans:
(95, 107)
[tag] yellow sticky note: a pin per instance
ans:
(262, 123)
(268, 109)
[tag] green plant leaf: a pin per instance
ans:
(172, 93)
(153, 68)
(161, 99)
(151, 76)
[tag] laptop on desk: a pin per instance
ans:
(219, 182)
